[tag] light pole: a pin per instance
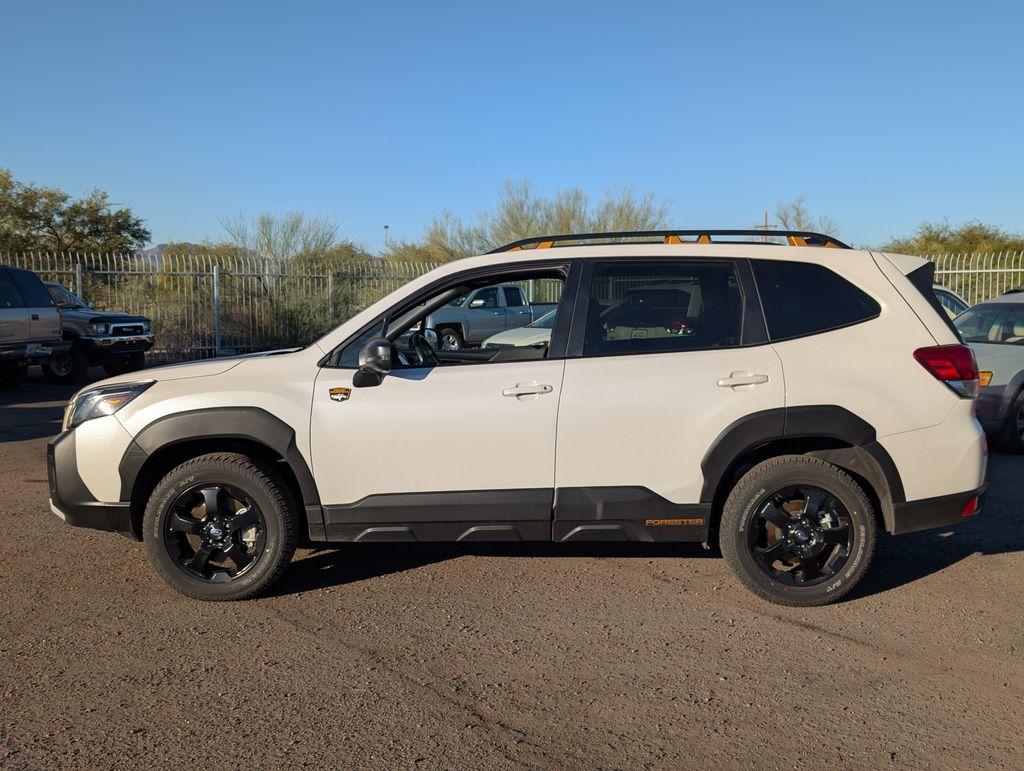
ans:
(386, 244)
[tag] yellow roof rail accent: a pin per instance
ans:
(545, 244)
(704, 239)
(515, 249)
(796, 240)
(673, 240)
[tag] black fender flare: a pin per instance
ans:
(864, 456)
(248, 423)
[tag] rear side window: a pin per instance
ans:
(9, 295)
(801, 298)
(32, 289)
(640, 307)
(513, 297)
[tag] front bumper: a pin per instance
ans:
(943, 511)
(106, 346)
(71, 500)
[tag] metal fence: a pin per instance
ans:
(977, 277)
(203, 306)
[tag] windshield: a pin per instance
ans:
(1000, 323)
(63, 297)
(547, 321)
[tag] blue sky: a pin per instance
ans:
(883, 114)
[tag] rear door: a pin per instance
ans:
(15, 326)
(44, 318)
(664, 356)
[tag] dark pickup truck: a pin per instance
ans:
(117, 341)
(29, 325)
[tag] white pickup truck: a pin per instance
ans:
(469, 320)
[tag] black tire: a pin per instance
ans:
(128, 362)
(12, 377)
(68, 367)
(251, 504)
(798, 531)
(1011, 435)
(450, 339)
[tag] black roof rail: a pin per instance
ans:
(793, 238)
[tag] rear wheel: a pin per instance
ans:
(450, 339)
(1011, 437)
(798, 531)
(67, 367)
(220, 527)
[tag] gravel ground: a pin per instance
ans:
(500, 657)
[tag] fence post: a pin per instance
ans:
(330, 296)
(216, 310)
(78, 279)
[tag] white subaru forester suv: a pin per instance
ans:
(777, 400)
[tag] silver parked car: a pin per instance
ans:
(995, 330)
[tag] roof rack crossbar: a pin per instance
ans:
(793, 238)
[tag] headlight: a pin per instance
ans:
(97, 329)
(98, 402)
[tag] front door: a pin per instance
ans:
(462, 450)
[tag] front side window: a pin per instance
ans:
(1001, 323)
(484, 336)
(801, 298)
(640, 307)
(485, 298)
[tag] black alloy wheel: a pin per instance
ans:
(220, 527)
(801, 535)
(797, 530)
(215, 533)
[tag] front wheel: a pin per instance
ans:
(220, 527)
(798, 531)
(450, 339)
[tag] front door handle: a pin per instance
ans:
(527, 389)
(742, 378)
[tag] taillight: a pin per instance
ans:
(954, 365)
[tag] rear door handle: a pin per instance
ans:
(526, 389)
(742, 378)
(35, 317)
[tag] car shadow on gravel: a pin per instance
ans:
(999, 529)
(350, 563)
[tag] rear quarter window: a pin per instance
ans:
(32, 289)
(9, 295)
(801, 298)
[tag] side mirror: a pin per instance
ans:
(431, 337)
(374, 363)
(477, 303)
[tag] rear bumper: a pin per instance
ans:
(71, 500)
(943, 511)
(35, 351)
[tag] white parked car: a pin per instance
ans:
(537, 333)
(813, 393)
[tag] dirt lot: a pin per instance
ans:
(531, 656)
